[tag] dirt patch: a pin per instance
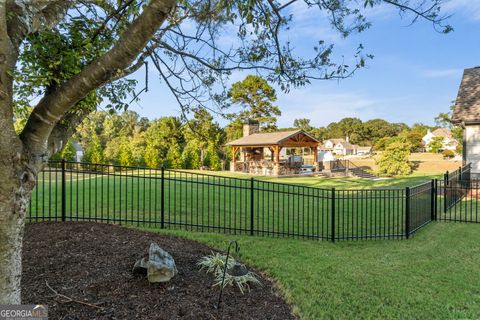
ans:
(92, 263)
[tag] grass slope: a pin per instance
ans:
(432, 276)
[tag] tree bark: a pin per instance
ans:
(14, 198)
(21, 158)
(16, 182)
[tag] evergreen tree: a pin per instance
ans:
(191, 156)
(94, 153)
(256, 98)
(212, 160)
(152, 158)
(174, 157)
(125, 157)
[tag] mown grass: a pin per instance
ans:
(432, 276)
(299, 207)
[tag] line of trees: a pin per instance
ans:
(130, 140)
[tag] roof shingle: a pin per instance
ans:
(265, 139)
(467, 104)
(442, 132)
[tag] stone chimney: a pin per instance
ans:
(250, 127)
(347, 139)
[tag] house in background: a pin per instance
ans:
(339, 147)
(364, 151)
(344, 147)
(448, 143)
(78, 151)
(467, 114)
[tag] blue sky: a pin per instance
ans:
(414, 75)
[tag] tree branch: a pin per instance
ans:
(32, 16)
(65, 128)
(8, 59)
(51, 108)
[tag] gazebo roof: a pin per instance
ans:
(295, 138)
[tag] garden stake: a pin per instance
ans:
(237, 250)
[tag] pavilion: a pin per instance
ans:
(260, 152)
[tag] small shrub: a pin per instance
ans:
(215, 264)
(448, 154)
(242, 282)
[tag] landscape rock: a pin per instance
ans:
(160, 265)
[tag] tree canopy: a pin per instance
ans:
(256, 98)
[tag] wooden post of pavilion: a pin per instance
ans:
(276, 163)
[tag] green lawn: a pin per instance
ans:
(300, 207)
(432, 276)
(340, 182)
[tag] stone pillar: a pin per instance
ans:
(276, 169)
(327, 165)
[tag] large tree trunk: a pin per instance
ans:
(15, 190)
(11, 233)
(22, 157)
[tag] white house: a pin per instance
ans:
(339, 146)
(448, 143)
(78, 151)
(363, 151)
(467, 114)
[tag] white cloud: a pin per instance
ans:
(470, 8)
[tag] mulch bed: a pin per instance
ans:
(92, 263)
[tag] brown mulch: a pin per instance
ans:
(92, 263)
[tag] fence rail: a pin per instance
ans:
(158, 198)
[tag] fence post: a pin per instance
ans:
(436, 199)
(252, 206)
(333, 215)
(162, 200)
(64, 189)
(433, 199)
(407, 212)
(445, 185)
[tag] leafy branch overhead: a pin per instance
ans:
(192, 51)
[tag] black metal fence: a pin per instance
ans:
(460, 194)
(158, 198)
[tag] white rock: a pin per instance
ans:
(160, 265)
